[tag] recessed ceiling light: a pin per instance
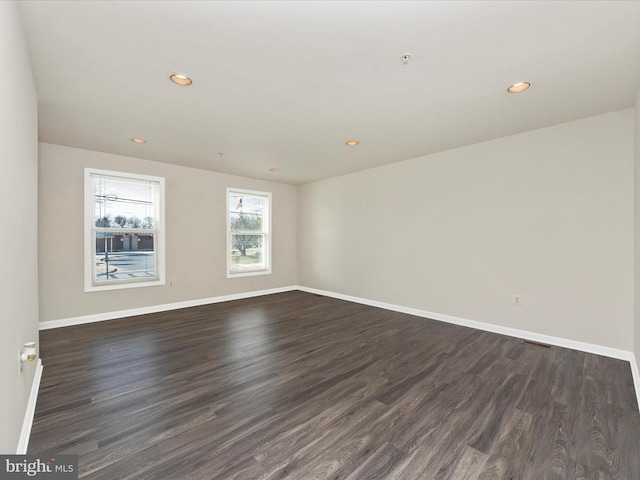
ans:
(518, 87)
(275, 169)
(353, 143)
(138, 140)
(180, 79)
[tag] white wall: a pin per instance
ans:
(195, 243)
(637, 232)
(18, 217)
(547, 214)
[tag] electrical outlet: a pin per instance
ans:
(171, 283)
(517, 299)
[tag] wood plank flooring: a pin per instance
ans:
(299, 386)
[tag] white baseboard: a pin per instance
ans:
(99, 317)
(512, 332)
(25, 433)
(636, 377)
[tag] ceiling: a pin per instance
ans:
(285, 84)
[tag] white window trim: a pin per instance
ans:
(90, 244)
(266, 231)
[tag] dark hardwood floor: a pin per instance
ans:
(298, 386)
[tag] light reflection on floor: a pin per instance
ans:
(251, 340)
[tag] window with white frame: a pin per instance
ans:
(124, 230)
(248, 232)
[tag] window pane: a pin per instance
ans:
(124, 230)
(246, 212)
(124, 256)
(248, 228)
(247, 252)
(123, 203)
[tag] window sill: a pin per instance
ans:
(120, 286)
(249, 273)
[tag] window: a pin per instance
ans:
(124, 230)
(248, 227)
